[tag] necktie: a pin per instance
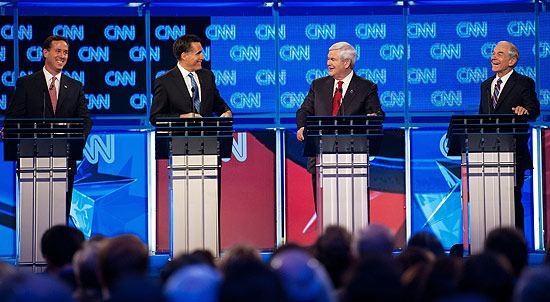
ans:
(195, 95)
(53, 94)
(337, 98)
(496, 92)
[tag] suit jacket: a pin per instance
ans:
(518, 91)
(171, 96)
(32, 100)
(361, 98)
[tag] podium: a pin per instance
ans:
(342, 146)
(42, 148)
(194, 147)
(487, 145)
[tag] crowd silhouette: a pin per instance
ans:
(339, 266)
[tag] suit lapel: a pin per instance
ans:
(63, 89)
(327, 96)
(180, 83)
(507, 88)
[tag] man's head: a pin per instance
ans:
(188, 51)
(341, 60)
(505, 57)
(55, 50)
(59, 244)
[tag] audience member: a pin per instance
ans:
(375, 278)
(22, 286)
(195, 282)
(428, 241)
(304, 278)
(533, 285)
(488, 274)
(59, 244)
(196, 257)
(85, 269)
(247, 279)
(510, 243)
(119, 258)
(374, 239)
(239, 253)
(414, 255)
(332, 249)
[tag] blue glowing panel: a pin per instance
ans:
(6, 61)
(7, 206)
(106, 54)
(544, 54)
(450, 56)
(243, 52)
(436, 205)
(110, 189)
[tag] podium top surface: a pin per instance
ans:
(342, 134)
(167, 127)
(485, 132)
(48, 128)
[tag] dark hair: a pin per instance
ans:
(183, 44)
(48, 42)
(60, 243)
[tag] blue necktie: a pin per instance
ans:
(195, 95)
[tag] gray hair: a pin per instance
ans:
(346, 52)
(513, 52)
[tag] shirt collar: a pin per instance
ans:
(49, 76)
(184, 71)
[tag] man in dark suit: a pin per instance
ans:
(187, 90)
(509, 92)
(49, 93)
(342, 92)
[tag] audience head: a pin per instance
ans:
(304, 278)
(85, 265)
(374, 239)
(242, 252)
(250, 280)
(533, 285)
(414, 255)
(22, 286)
(432, 281)
(59, 244)
(428, 241)
(332, 249)
(196, 257)
(490, 274)
(374, 278)
(510, 243)
(195, 282)
(121, 257)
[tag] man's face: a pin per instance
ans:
(56, 57)
(337, 68)
(192, 60)
(500, 60)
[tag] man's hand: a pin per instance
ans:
(300, 134)
(520, 110)
(190, 115)
(228, 113)
(372, 114)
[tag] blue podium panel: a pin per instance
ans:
(110, 188)
(7, 206)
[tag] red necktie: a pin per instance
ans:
(496, 93)
(337, 98)
(53, 94)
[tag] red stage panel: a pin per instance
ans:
(546, 184)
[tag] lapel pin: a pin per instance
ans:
(65, 86)
(351, 91)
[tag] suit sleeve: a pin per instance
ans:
(18, 104)
(307, 108)
(161, 104)
(219, 104)
(83, 112)
(372, 102)
(529, 98)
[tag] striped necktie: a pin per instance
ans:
(496, 92)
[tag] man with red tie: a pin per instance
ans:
(508, 92)
(48, 93)
(342, 92)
